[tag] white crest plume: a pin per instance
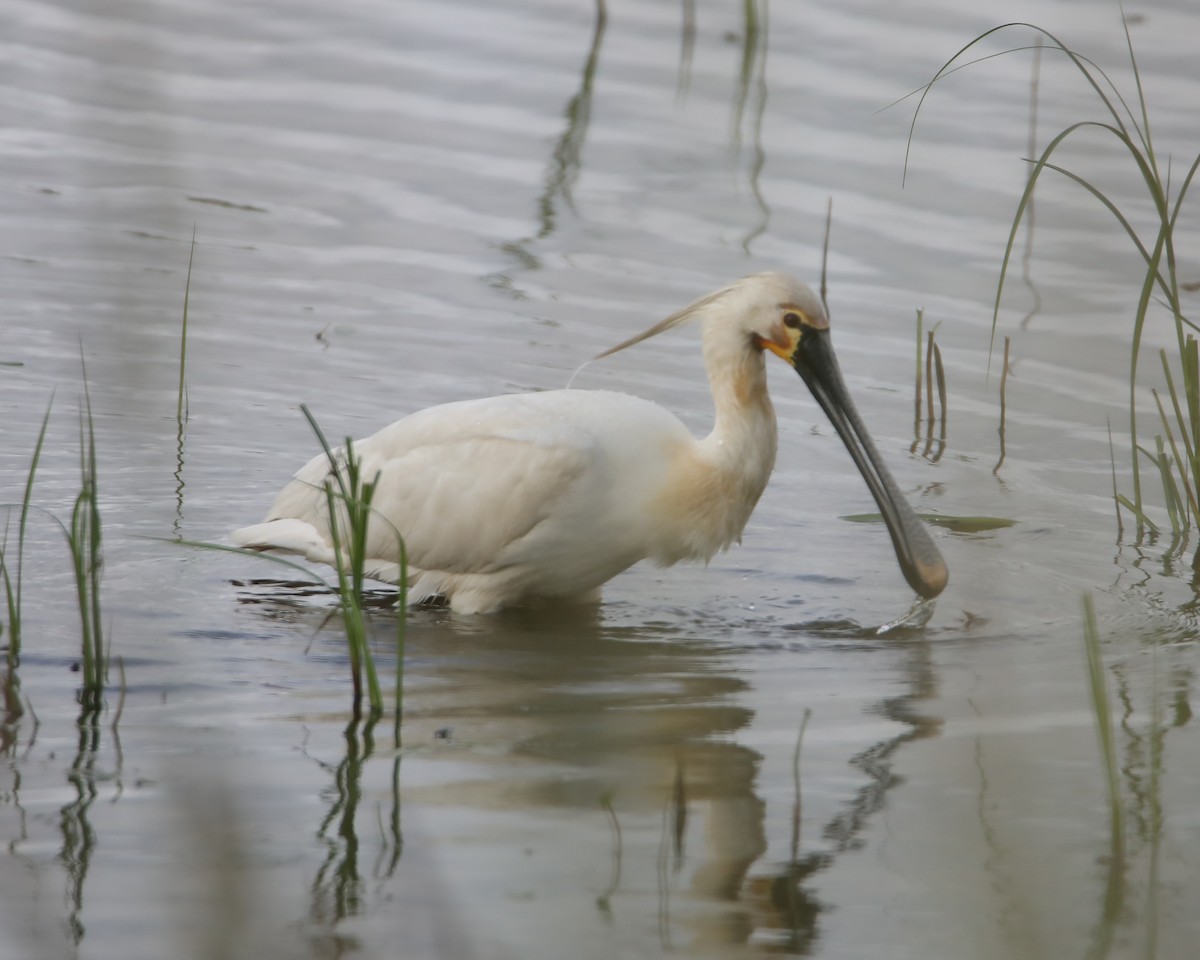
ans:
(678, 318)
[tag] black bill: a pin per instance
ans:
(919, 557)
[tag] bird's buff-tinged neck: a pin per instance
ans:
(744, 436)
(715, 484)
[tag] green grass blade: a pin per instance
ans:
(1191, 386)
(1023, 204)
(351, 613)
(1183, 191)
(1112, 459)
(1081, 63)
(1141, 517)
(1180, 463)
(1188, 467)
(348, 501)
(401, 633)
(1132, 127)
(84, 539)
(349, 509)
(1168, 227)
(1163, 282)
(329, 451)
(183, 337)
(1143, 128)
(917, 400)
(1134, 349)
(13, 588)
(1179, 419)
(1170, 492)
(940, 376)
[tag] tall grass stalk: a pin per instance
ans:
(1130, 127)
(181, 401)
(349, 508)
(401, 633)
(348, 496)
(181, 404)
(933, 374)
(84, 542)
(825, 255)
(1112, 459)
(1003, 428)
(13, 579)
(920, 369)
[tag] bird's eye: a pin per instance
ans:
(791, 320)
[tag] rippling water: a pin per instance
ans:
(396, 205)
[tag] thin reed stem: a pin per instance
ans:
(180, 405)
(1002, 429)
(13, 584)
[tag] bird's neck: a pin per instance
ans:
(742, 443)
(716, 482)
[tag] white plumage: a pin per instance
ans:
(546, 496)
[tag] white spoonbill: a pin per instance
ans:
(545, 496)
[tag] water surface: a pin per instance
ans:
(400, 205)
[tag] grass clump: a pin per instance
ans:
(84, 542)
(349, 516)
(348, 496)
(1130, 127)
(13, 579)
(84, 537)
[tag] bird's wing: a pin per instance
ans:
(463, 505)
(461, 483)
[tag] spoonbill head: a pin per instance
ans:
(546, 496)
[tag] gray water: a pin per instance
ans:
(396, 205)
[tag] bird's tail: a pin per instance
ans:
(291, 535)
(286, 535)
